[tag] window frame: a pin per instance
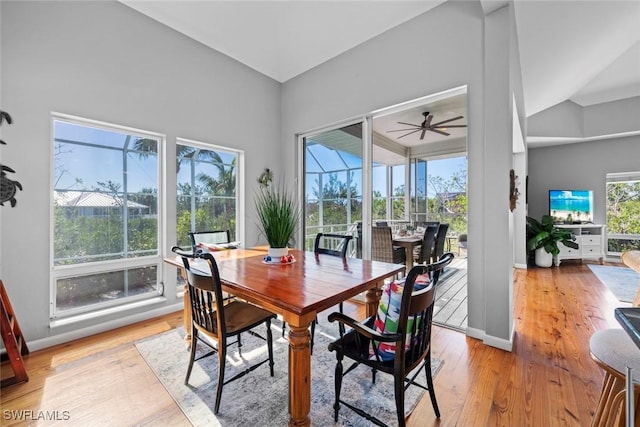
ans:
(59, 272)
(612, 178)
(239, 187)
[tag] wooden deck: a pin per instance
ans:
(451, 296)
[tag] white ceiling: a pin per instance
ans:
(282, 38)
(584, 51)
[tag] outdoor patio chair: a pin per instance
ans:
(396, 341)
(382, 248)
(219, 320)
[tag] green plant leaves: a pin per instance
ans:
(543, 234)
(278, 214)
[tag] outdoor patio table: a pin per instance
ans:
(408, 243)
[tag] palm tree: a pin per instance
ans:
(224, 185)
(184, 153)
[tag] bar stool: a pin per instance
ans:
(613, 351)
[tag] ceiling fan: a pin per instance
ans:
(426, 125)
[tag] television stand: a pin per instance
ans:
(590, 239)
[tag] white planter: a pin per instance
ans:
(278, 252)
(543, 258)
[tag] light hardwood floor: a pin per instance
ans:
(547, 380)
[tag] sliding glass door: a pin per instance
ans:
(333, 177)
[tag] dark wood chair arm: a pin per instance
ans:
(363, 329)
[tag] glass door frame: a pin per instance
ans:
(366, 174)
(367, 158)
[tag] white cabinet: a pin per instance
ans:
(590, 239)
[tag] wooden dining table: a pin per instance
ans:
(298, 292)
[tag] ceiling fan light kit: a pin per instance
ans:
(426, 125)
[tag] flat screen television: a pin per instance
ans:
(571, 205)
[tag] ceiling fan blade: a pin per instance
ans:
(447, 121)
(449, 126)
(428, 122)
(417, 130)
(423, 132)
(402, 130)
(409, 124)
(438, 131)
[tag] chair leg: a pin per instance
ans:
(284, 327)
(192, 357)
(239, 338)
(222, 357)
(338, 385)
(398, 391)
(270, 346)
(432, 392)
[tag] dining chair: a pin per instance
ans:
(219, 320)
(426, 247)
(334, 245)
(209, 237)
(441, 237)
(396, 341)
(382, 248)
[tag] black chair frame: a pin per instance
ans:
(342, 248)
(220, 319)
(356, 343)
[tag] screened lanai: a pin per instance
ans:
(401, 197)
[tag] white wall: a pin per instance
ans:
(581, 166)
(105, 61)
(570, 120)
(436, 51)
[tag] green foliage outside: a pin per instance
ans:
(449, 206)
(213, 197)
(623, 214)
(80, 238)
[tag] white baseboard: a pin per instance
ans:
(501, 343)
(521, 266)
(102, 327)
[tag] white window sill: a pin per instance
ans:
(56, 323)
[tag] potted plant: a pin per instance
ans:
(278, 215)
(543, 238)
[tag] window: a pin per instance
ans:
(623, 212)
(207, 190)
(105, 213)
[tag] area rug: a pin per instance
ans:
(623, 282)
(258, 399)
